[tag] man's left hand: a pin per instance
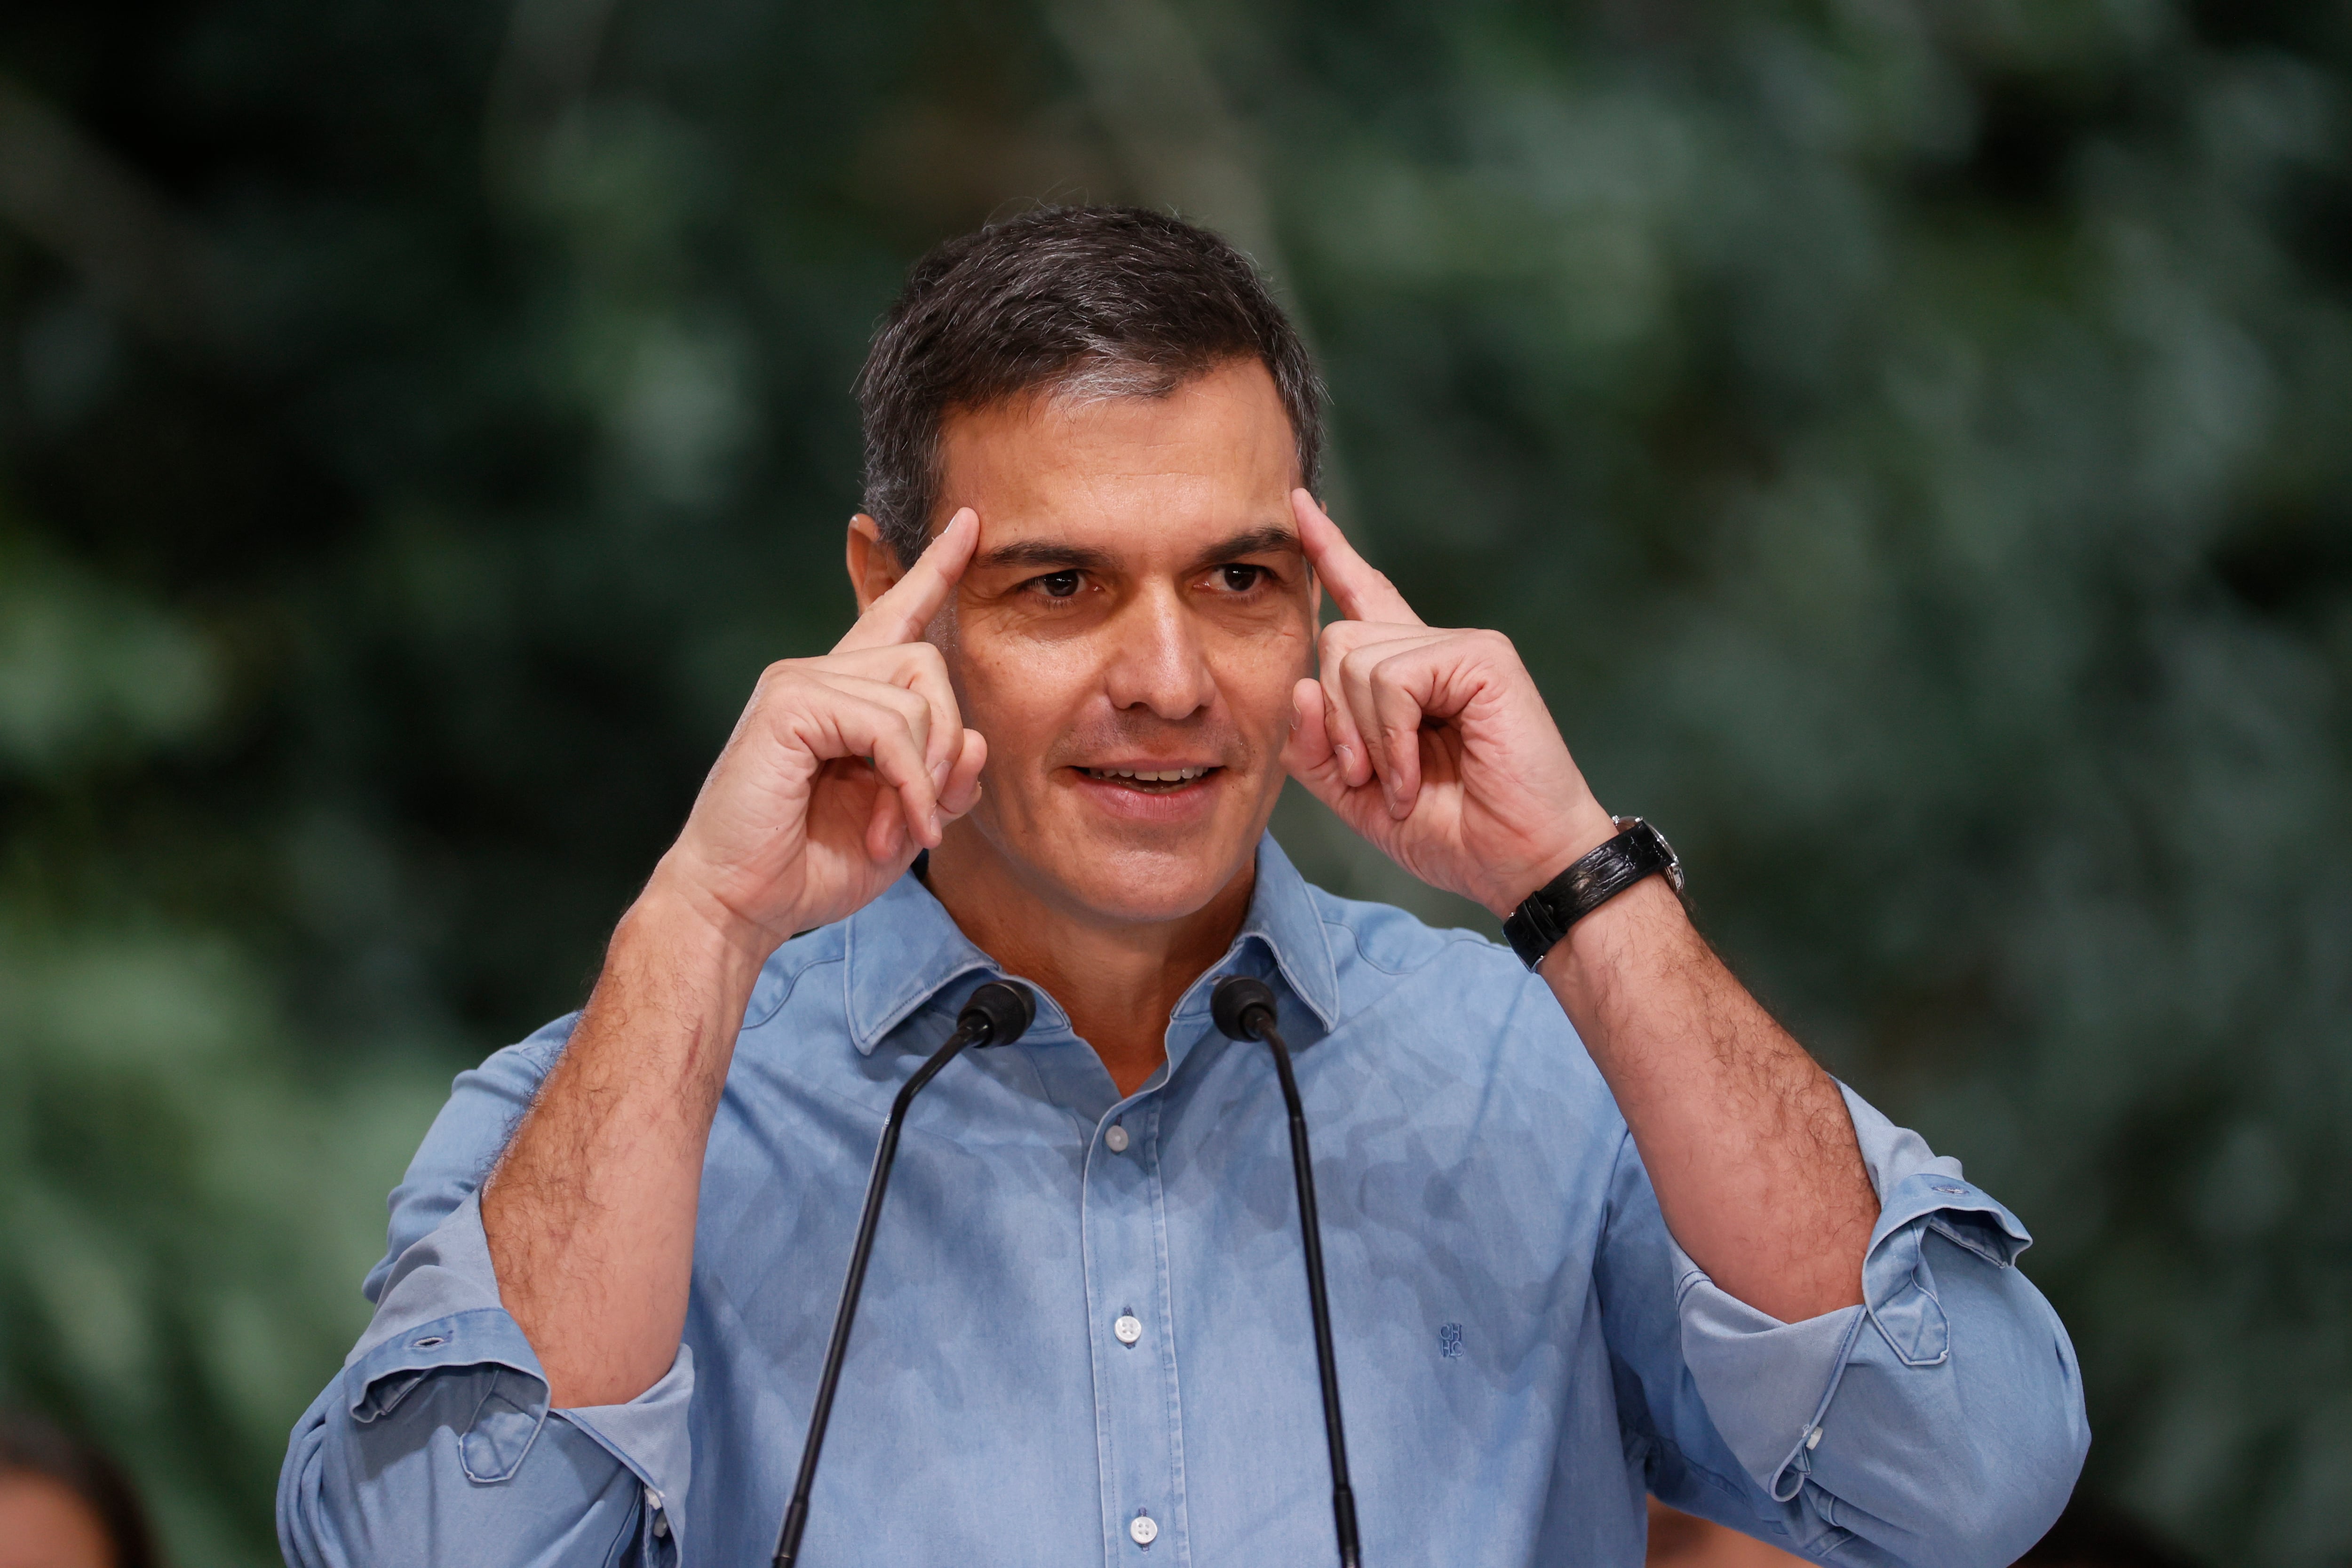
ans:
(1433, 743)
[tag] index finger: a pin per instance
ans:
(1361, 594)
(900, 614)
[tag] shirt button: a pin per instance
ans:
(1128, 1329)
(1116, 1139)
(1142, 1531)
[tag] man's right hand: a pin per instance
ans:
(840, 771)
(841, 768)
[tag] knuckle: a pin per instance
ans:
(782, 690)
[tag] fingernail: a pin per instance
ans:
(935, 824)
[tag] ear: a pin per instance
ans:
(874, 568)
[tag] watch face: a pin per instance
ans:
(1674, 861)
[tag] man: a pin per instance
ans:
(1591, 1230)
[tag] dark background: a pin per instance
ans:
(1909, 442)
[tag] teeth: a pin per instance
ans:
(1167, 775)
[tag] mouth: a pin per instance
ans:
(1150, 780)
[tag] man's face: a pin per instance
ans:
(1126, 636)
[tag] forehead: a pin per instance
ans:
(1138, 475)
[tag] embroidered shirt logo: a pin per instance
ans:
(1449, 1340)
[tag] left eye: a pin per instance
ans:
(1242, 579)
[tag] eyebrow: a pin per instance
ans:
(1053, 553)
(1269, 539)
(1046, 553)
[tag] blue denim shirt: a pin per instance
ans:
(1523, 1349)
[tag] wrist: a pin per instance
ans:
(1635, 854)
(1632, 930)
(694, 931)
(1580, 831)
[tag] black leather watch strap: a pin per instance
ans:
(1639, 850)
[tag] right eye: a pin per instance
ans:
(1058, 584)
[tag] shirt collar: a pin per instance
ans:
(903, 948)
(1282, 919)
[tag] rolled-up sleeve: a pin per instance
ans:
(436, 1443)
(1939, 1424)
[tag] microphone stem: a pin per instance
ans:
(1302, 1166)
(788, 1543)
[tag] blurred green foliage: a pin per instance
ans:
(1907, 439)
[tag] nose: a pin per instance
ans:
(1158, 661)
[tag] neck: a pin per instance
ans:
(1118, 980)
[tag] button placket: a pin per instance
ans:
(1135, 1422)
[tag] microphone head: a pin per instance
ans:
(1234, 1005)
(998, 1013)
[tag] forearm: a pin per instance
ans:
(589, 1214)
(1941, 1423)
(1746, 1139)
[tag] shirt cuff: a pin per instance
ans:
(1768, 1385)
(649, 1434)
(440, 1310)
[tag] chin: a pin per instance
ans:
(1115, 857)
(1149, 883)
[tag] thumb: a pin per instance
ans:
(1307, 754)
(1313, 762)
(960, 792)
(1310, 760)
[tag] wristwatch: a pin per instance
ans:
(1639, 850)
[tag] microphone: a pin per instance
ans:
(1243, 1009)
(998, 1013)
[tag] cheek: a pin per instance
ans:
(1257, 673)
(1019, 692)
